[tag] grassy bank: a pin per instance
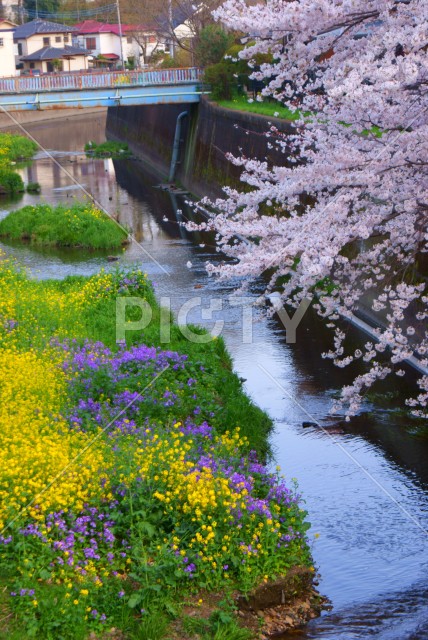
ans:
(265, 108)
(78, 225)
(130, 477)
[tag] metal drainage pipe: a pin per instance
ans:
(176, 146)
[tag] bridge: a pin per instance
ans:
(101, 89)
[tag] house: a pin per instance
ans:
(108, 42)
(7, 48)
(47, 46)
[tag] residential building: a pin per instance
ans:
(48, 59)
(47, 46)
(7, 48)
(108, 42)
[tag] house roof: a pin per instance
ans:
(53, 53)
(6, 24)
(40, 26)
(93, 26)
(179, 17)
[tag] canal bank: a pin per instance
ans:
(208, 133)
(14, 121)
(192, 144)
(371, 554)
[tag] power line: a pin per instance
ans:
(70, 15)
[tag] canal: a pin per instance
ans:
(365, 483)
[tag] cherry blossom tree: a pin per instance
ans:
(344, 219)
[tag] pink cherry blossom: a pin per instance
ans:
(345, 215)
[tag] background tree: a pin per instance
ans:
(357, 70)
(33, 7)
(212, 45)
(166, 15)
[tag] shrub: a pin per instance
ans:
(220, 77)
(130, 63)
(10, 181)
(168, 62)
(157, 56)
(34, 187)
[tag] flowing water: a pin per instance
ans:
(365, 483)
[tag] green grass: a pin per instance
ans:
(38, 314)
(265, 108)
(17, 147)
(277, 110)
(78, 225)
(97, 322)
(108, 149)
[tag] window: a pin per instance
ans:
(58, 39)
(32, 65)
(66, 37)
(46, 42)
(1, 42)
(20, 48)
(129, 39)
(91, 43)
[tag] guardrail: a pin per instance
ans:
(99, 80)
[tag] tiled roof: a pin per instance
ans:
(53, 53)
(93, 26)
(40, 26)
(7, 24)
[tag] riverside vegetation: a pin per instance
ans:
(13, 148)
(107, 149)
(132, 478)
(78, 225)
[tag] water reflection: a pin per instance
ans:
(364, 486)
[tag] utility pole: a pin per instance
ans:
(119, 22)
(171, 29)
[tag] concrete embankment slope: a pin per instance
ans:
(208, 134)
(13, 121)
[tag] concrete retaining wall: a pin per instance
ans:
(30, 117)
(209, 133)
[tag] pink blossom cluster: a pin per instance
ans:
(344, 218)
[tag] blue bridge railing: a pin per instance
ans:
(99, 80)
